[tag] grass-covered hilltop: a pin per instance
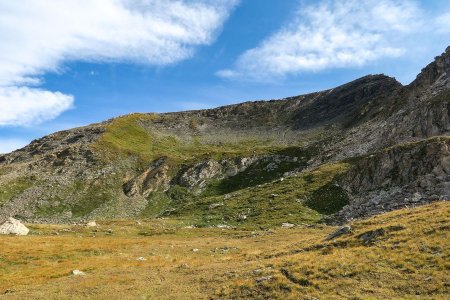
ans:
(237, 201)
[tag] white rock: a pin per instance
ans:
(91, 224)
(416, 197)
(223, 226)
(287, 225)
(13, 226)
(78, 273)
(141, 258)
(195, 250)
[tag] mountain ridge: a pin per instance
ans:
(131, 166)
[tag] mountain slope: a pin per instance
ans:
(347, 152)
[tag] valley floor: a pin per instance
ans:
(405, 256)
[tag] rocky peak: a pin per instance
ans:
(345, 100)
(436, 72)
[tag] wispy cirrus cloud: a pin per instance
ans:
(331, 34)
(39, 36)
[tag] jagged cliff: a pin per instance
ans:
(361, 148)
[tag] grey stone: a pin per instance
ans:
(339, 232)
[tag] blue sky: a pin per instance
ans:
(74, 62)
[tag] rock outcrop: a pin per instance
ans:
(154, 178)
(397, 177)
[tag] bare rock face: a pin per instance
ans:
(13, 226)
(434, 73)
(154, 178)
(198, 175)
(407, 175)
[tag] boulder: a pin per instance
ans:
(370, 236)
(341, 231)
(13, 226)
(78, 273)
(91, 224)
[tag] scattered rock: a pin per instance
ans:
(141, 258)
(78, 273)
(341, 231)
(8, 291)
(184, 266)
(195, 250)
(224, 250)
(416, 197)
(370, 236)
(396, 228)
(13, 226)
(257, 271)
(263, 278)
(287, 225)
(215, 205)
(241, 217)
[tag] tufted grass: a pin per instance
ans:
(410, 261)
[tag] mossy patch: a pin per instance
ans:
(92, 197)
(13, 188)
(127, 136)
(158, 203)
(124, 136)
(55, 206)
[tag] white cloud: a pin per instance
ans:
(8, 145)
(25, 106)
(38, 36)
(331, 34)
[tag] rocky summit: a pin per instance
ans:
(367, 147)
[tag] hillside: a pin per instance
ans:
(363, 148)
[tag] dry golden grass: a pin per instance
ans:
(410, 261)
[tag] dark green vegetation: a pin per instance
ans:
(89, 197)
(328, 199)
(266, 205)
(263, 172)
